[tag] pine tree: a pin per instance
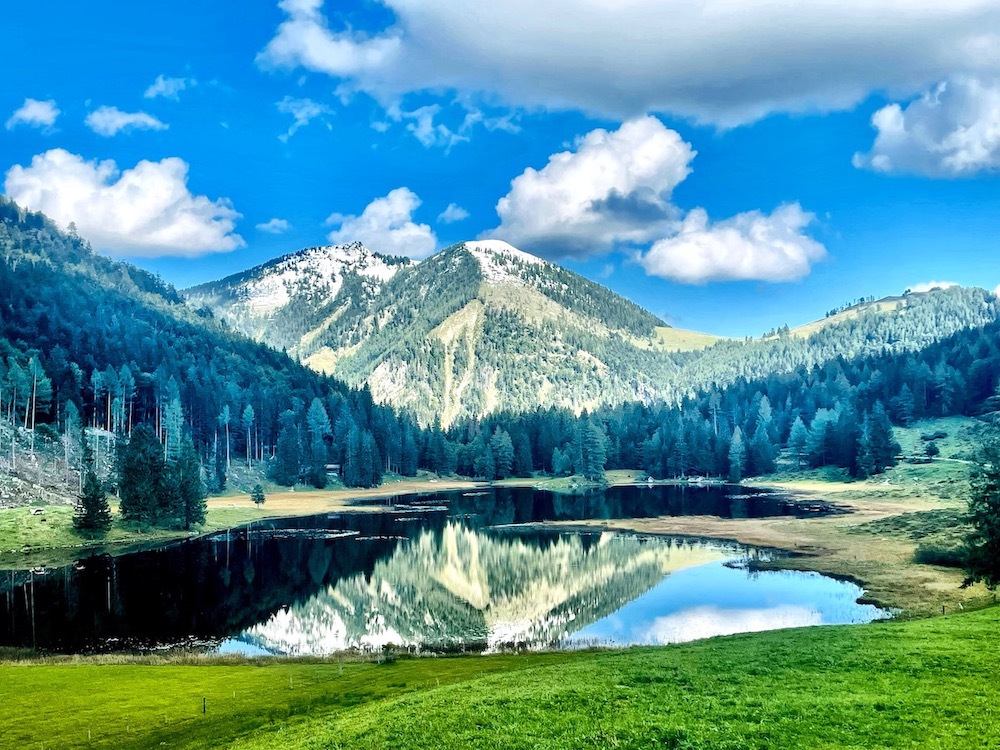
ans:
(92, 513)
(185, 480)
(141, 469)
(594, 451)
(257, 495)
(762, 454)
(884, 447)
(798, 439)
(318, 424)
(983, 542)
(287, 459)
(865, 460)
(502, 449)
(737, 456)
(522, 456)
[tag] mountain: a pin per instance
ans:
(479, 327)
(281, 301)
(88, 340)
(461, 588)
(482, 327)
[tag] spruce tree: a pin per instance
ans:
(285, 465)
(798, 439)
(737, 456)
(502, 449)
(92, 514)
(983, 542)
(140, 479)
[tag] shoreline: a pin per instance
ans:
(830, 545)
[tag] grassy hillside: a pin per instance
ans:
(927, 684)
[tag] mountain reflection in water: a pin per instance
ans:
(436, 574)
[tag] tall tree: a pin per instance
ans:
(92, 514)
(737, 456)
(983, 542)
(141, 469)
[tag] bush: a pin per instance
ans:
(938, 554)
(931, 449)
(939, 435)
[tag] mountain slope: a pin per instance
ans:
(483, 327)
(280, 301)
(123, 348)
(476, 328)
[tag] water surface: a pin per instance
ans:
(432, 573)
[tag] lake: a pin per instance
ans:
(438, 572)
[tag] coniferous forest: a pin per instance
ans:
(173, 397)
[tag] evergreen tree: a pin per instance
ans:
(737, 457)
(502, 449)
(522, 456)
(287, 460)
(883, 442)
(798, 439)
(761, 454)
(140, 480)
(182, 501)
(485, 465)
(318, 424)
(257, 495)
(983, 542)
(92, 514)
(865, 458)
(594, 451)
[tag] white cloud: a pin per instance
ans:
(453, 214)
(110, 121)
(168, 88)
(952, 130)
(274, 226)
(303, 111)
(143, 211)
(713, 60)
(386, 226)
(747, 246)
(421, 123)
(614, 188)
(930, 285)
(35, 114)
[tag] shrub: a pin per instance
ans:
(939, 554)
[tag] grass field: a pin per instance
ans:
(927, 684)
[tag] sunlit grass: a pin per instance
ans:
(927, 684)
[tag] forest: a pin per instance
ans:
(90, 342)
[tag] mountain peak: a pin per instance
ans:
(499, 260)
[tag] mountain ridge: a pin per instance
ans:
(482, 326)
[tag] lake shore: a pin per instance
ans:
(833, 545)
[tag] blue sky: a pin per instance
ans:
(719, 167)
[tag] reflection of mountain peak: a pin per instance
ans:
(459, 587)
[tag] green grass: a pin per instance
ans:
(927, 684)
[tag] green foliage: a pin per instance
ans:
(92, 514)
(257, 495)
(983, 544)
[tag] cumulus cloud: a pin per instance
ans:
(35, 114)
(453, 214)
(613, 189)
(928, 286)
(168, 88)
(952, 130)
(750, 245)
(713, 60)
(146, 211)
(303, 111)
(110, 121)
(274, 226)
(386, 226)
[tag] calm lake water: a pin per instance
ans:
(449, 571)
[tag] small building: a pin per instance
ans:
(333, 470)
